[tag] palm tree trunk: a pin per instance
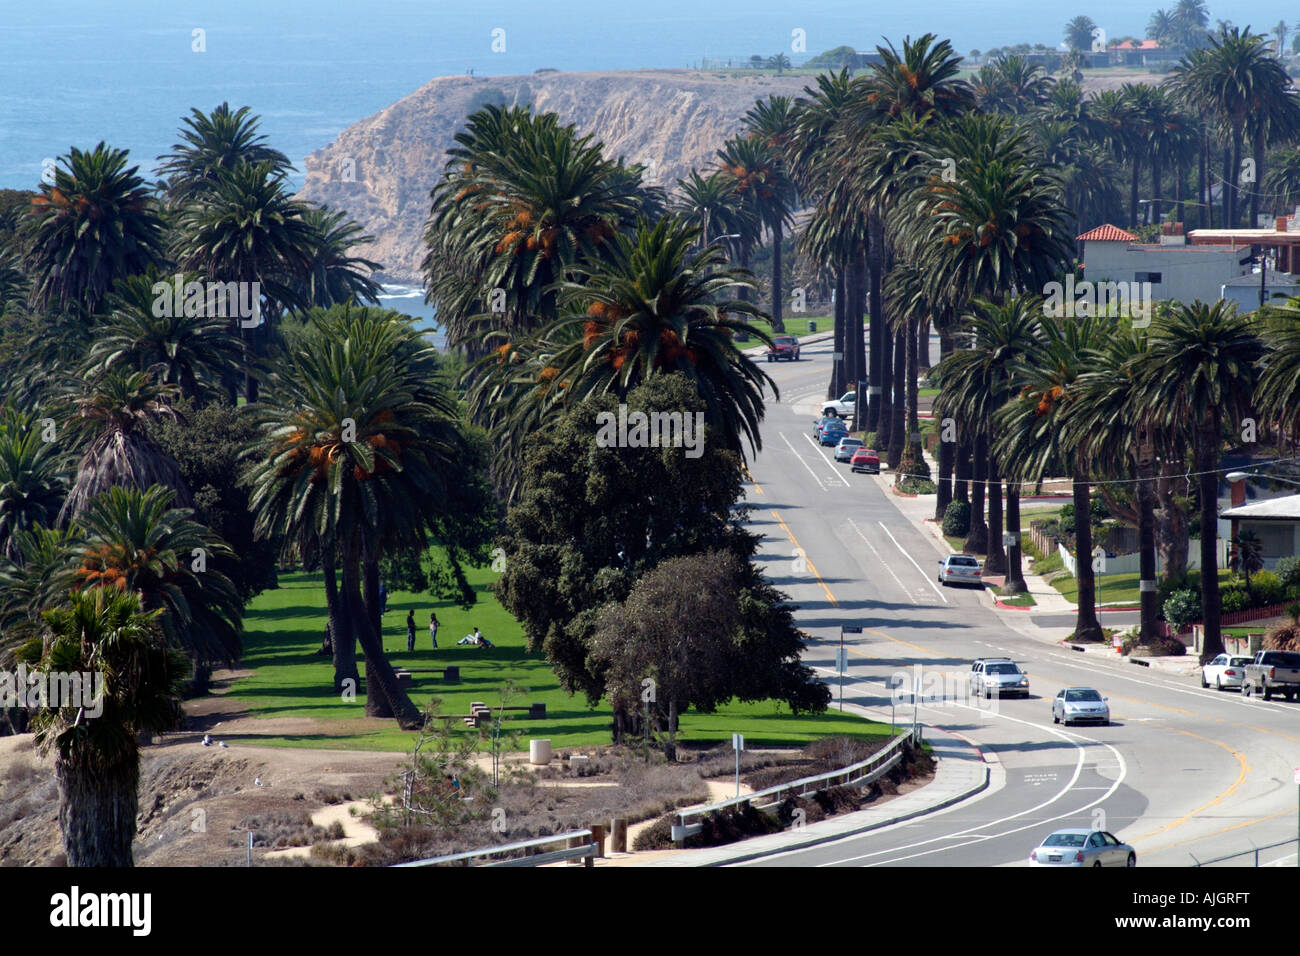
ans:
(1259, 177)
(898, 408)
(1171, 528)
(996, 562)
(342, 639)
(1156, 213)
(885, 427)
(1015, 583)
(961, 469)
(923, 347)
(98, 803)
(836, 388)
(1180, 190)
(1207, 449)
(778, 324)
(1086, 626)
(977, 539)
(913, 457)
(1232, 165)
(879, 331)
(860, 277)
(1147, 596)
(382, 690)
(1133, 191)
(946, 448)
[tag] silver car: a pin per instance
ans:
(1073, 705)
(959, 569)
(1082, 848)
(998, 677)
(845, 449)
(1226, 670)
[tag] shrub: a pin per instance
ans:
(1266, 588)
(917, 486)
(1232, 600)
(1288, 572)
(916, 468)
(956, 519)
(1182, 608)
(1171, 583)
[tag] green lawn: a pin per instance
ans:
(283, 631)
(1121, 588)
(1018, 600)
(798, 325)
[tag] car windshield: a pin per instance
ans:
(783, 340)
(1002, 669)
(850, 442)
(1065, 839)
(1240, 661)
(1082, 695)
(963, 562)
(1284, 658)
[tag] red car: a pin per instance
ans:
(865, 460)
(784, 347)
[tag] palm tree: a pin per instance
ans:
(215, 144)
(1078, 33)
(194, 353)
(113, 412)
(97, 760)
(1011, 84)
(37, 576)
(924, 78)
(95, 224)
(1163, 27)
(32, 483)
(247, 228)
(1118, 125)
(333, 276)
(710, 204)
(772, 121)
(1278, 395)
(1200, 373)
(133, 540)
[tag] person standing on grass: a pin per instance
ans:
(433, 630)
(410, 630)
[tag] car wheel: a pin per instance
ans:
(1096, 863)
(1290, 695)
(1204, 682)
(1218, 684)
(1055, 719)
(1247, 690)
(1105, 723)
(1268, 692)
(1132, 860)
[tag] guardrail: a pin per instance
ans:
(585, 851)
(864, 771)
(1253, 850)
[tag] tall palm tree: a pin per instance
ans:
(112, 414)
(772, 121)
(32, 482)
(214, 144)
(95, 224)
(133, 540)
(1200, 373)
(333, 275)
(1012, 84)
(97, 759)
(194, 353)
(710, 204)
(1278, 395)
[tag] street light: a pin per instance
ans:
(1243, 475)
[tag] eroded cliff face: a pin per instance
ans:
(381, 169)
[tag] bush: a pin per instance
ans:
(1266, 588)
(917, 468)
(1288, 572)
(917, 486)
(1182, 608)
(1173, 583)
(1232, 600)
(1096, 508)
(956, 519)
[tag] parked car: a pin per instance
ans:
(1272, 672)
(960, 569)
(866, 461)
(1082, 848)
(844, 406)
(819, 423)
(783, 347)
(845, 449)
(1078, 704)
(997, 677)
(1226, 670)
(833, 431)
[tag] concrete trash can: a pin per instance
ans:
(539, 752)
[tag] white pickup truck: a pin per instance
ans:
(1272, 672)
(843, 407)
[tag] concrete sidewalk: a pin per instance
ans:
(962, 772)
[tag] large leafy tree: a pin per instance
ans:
(332, 275)
(1078, 33)
(213, 145)
(95, 224)
(32, 479)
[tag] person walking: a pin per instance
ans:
(410, 630)
(433, 630)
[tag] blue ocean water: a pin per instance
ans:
(126, 71)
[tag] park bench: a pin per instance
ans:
(480, 712)
(450, 673)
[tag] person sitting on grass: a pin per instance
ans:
(477, 639)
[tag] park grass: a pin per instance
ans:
(798, 326)
(284, 629)
(1016, 600)
(1121, 588)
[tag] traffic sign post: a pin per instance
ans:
(842, 658)
(738, 744)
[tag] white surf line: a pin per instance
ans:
(796, 454)
(903, 587)
(829, 464)
(914, 564)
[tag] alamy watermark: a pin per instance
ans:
(653, 430)
(1093, 299)
(223, 300)
(53, 689)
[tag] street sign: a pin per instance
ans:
(1297, 774)
(737, 741)
(851, 629)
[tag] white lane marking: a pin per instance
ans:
(830, 464)
(903, 587)
(796, 454)
(914, 564)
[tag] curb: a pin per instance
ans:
(1013, 607)
(829, 838)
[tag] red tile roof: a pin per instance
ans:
(1140, 45)
(1107, 233)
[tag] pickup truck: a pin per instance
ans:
(844, 406)
(1272, 672)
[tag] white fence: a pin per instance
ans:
(1131, 563)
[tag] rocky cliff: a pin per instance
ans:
(381, 169)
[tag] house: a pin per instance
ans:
(1175, 270)
(1140, 53)
(1275, 521)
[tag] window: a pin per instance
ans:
(1152, 277)
(1096, 840)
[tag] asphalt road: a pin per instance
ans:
(1180, 771)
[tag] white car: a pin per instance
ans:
(1226, 670)
(997, 677)
(847, 446)
(844, 406)
(960, 569)
(1077, 704)
(1082, 848)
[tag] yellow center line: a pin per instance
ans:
(1227, 829)
(804, 554)
(1241, 778)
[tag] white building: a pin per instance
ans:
(1276, 521)
(1175, 270)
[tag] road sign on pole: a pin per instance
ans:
(738, 744)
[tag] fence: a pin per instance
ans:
(579, 845)
(1253, 851)
(1131, 563)
(767, 801)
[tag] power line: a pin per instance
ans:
(1189, 475)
